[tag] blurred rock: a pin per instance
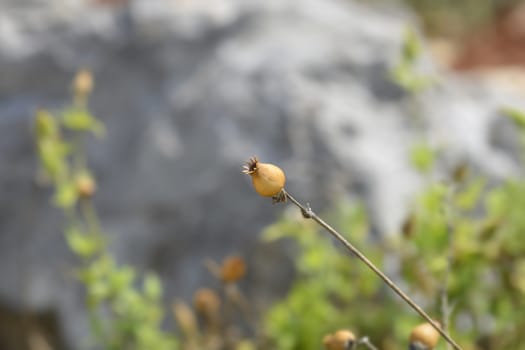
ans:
(188, 90)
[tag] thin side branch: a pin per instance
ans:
(308, 213)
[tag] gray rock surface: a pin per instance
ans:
(190, 89)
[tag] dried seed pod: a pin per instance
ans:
(233, 269)
(268, 179)
(341, 340)
(423, 337)
(206, 302)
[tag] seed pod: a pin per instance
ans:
(268, 179)
(340, 340)
(233, 269)
(423, 337)
(206, 302)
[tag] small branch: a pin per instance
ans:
(445, 311)
(445, 305)
(90, 216)
(366, 342)
(308, 213)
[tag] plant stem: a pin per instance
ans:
(366, 342)
(449, 218)
(90, 216)
(309, 214)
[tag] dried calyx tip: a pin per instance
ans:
(251, 166)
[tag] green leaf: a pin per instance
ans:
(81, 120)
(98, 291)
(152, 287)
(82, 244)
(471, 195)
(288, 227)
(516, 115)
(52, 153)
(66, 195)
(45, 125)
(422, 157)
(121, 279)
(496, 202)
(411, 49)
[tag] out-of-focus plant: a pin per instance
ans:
(462, 239)
(125, 311)
(333, 290)
(406, 73)
(219, 317)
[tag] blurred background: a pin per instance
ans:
(361, 102)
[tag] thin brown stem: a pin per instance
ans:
(308, 213)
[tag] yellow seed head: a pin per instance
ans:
(268, 179)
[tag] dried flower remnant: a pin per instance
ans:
(206, 302)
(268, 179)
(233, 269)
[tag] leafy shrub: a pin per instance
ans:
(125, 312)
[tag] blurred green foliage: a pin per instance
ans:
(125, 311)
(422, 157)
(333, 290)
(405, 73)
